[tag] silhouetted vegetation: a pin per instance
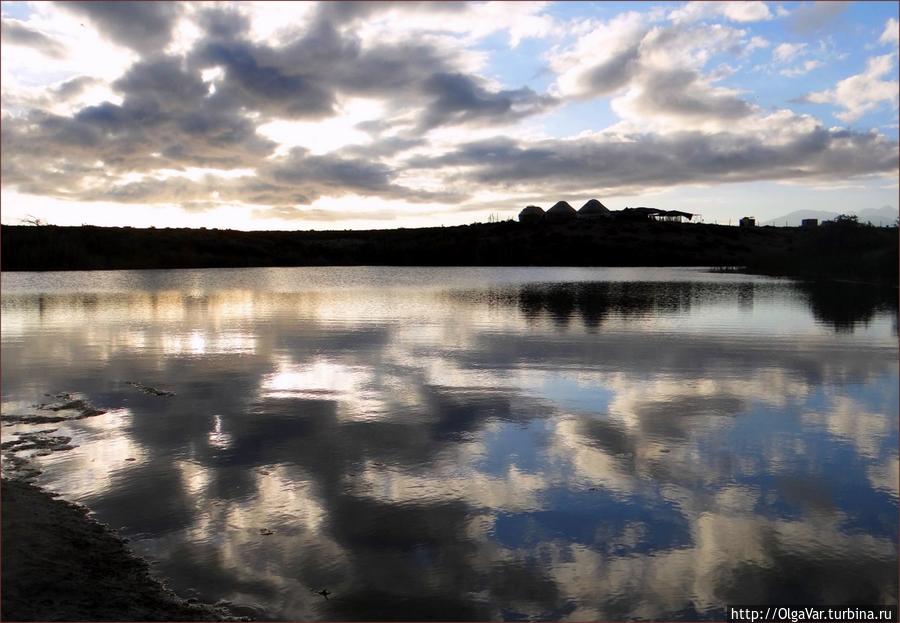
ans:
(839, 249)
(846, 305)
(843, 250)
(841, 305)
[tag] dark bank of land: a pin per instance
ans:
(60, 565)
(834, 250)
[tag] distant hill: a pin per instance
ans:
(885, 215)
(880, 217)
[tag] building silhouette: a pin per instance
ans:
(593, 209)
(531, 214)
(560, 213)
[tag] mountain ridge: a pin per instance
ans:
(880, 217)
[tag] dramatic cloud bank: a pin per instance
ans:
(433, 110)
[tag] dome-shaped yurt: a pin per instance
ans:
(531, 214)
(593, 209)
(561, 212)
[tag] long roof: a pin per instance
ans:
(659, 212)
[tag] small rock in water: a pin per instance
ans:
(665, 450)
(67, 408)
(265, 531)
(150, 390)
(68, 404)
(131, 459)
(37, 440)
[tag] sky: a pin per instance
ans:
(346, 115)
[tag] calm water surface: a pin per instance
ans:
(475, 443)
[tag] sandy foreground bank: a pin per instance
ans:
(58, 564)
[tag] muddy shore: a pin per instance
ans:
(58, 564)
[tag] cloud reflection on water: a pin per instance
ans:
(583, 451)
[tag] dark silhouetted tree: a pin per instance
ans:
(32, 220)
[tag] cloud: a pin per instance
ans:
(863, 92)
(51, 96)
(683, 96)
(205, 109)
(166, 119)
(614, 73)
(787, 51)
(319, 175)
(811, 18)
(655, 72)
(456, 99)
(290, 213)
(223, 22)
(734, 11)
(658, 77)
(99, 156)
(891, 34)
(267, 87)
(351, 12)
(756, 42)
(799, 70)
(635, 163)
(74, 87)
(471, 21)
(142, 25)
(602, 60)
(305, 78)
(17, 33)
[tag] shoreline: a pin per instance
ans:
(834, 251)
(59, 564)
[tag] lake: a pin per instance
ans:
(472, 443)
